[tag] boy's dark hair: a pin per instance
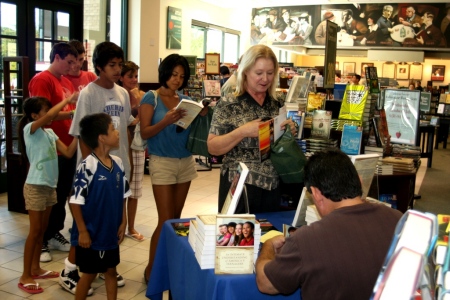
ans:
(332, 172)
(358, 76)
(62, 49)
(78, 46)
(169, 63)
(91, 126)
(224, 70)
(32, 105)
(103, 53)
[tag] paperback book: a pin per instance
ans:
(211, 88)
(321, 124)
(236, 254)
(192, 109)
(234, 194)
(351, 139)
(299, 118)
(354, 103)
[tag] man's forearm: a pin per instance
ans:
(266, 255)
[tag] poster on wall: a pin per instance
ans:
(173, 40)
(437, 72)
(402, 115)
(393, 25)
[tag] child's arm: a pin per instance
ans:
(84, 239)
(69, 151)
(123, 225)
(52, 113)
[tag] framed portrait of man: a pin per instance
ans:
(437, 72)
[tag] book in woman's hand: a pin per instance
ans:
(191, 108)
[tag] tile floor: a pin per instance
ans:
(202, 199)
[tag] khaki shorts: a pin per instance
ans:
(38, 197)
(167, 170)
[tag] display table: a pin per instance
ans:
(400, 184)
(426, 142)
(176, 269)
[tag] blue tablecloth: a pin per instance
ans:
(176, 269)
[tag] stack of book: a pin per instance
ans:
(205, 241)
(312, 145)
(407, 151)
(373, 150)
(383, 169)
(337, 124)
(312, 215)
(210, 254)
(193, 232)
(400, 164)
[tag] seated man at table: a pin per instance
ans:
(340, 256)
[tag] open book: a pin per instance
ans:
(231, 202)
(192, 109)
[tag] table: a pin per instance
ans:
(176, 269)
(426, 142)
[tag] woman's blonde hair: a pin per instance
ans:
(248, 60)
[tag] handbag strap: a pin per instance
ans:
(155, 93)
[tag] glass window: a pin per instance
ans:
(198, 41)
(208, 38)
(214, 42)
(231, 48)
(43, 23)
(62, 26)
(8, 19)
(43, 55)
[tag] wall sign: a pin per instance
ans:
(212, 63)
(173, 40)
(402, 115)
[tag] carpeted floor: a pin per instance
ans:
(435, 188)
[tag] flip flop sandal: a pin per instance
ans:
(25, 288)
(46, 275)
(135, 236)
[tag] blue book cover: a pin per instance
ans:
(351, 139)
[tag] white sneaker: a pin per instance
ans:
(120, 280)
(45, 254)
(70, 280)
(59, 242)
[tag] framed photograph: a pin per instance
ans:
(363, 68)
(349, 68)
(212, 63)
(388, 70)
(437, 72)
(415, 71)
(402, 71)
